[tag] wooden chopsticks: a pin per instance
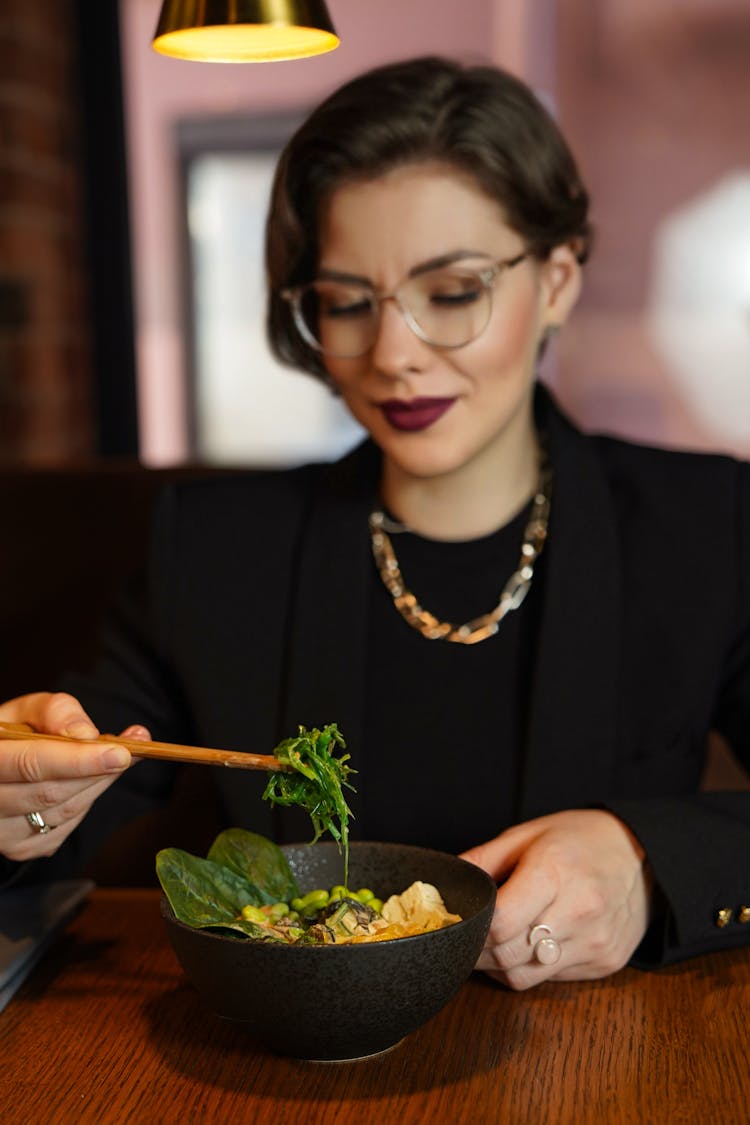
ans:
(169, 751)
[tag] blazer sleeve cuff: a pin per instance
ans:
(698, 847)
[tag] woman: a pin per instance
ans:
(425, 238)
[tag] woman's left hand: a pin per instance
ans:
(582, 876)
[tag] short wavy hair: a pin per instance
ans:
(479, 119)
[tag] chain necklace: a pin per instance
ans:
(514, 591)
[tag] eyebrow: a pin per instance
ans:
(415, 271)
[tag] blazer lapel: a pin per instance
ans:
(572, 728)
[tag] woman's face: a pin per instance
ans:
(432, 410)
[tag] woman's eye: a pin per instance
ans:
(452, 298)
(451, 290)
(345, 307)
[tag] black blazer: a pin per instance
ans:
(254, 621)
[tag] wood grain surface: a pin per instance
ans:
(107, 1029)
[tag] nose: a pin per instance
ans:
(397, 350)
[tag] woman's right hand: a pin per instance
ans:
(59, 781)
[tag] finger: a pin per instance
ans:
(138, 732)
(585, 956)
(53, 713)
(532, 968)
(499, 856)
(37, 761)
(57, 813)
(28, 843)
(20, 841)
(532, 974)
(519, 949)
(19, 798)
(525, 948)
(522, 900)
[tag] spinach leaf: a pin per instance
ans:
(259, 862)
(317, 783)
(203, 893)
(241, 926)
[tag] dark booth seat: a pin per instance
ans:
(72, 537)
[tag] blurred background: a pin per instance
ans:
(132, 200)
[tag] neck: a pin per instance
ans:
(473, 501)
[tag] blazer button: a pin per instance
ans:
(744, 914)
(723, 917)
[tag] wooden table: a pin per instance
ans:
(106, 1029)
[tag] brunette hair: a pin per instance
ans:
(478, 119)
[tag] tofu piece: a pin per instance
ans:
(420, 908)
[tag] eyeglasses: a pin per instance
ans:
(446, 306)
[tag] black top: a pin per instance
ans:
(446, 721)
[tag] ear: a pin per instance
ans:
(560, 286)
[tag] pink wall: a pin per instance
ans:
(160, 90)
(653, 95)
(654, 98)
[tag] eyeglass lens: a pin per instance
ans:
(445, 307)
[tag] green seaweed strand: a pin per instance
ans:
(316, 783)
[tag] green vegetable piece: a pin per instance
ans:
(376, 904)
(257, 860)
(314, 900)
(253, 914)
(316, 784)
(204, 894)
(364, 894)
(246, 929)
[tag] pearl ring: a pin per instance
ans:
(546, 950)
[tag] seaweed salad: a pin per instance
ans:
(315, 782)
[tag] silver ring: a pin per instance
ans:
(546, 950)
(38, 823)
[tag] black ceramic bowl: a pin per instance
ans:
(344, 1001)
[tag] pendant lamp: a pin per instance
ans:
(244, 30)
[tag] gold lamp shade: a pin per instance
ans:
(244, 30)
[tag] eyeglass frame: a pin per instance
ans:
(487, 276)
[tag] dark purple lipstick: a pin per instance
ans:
(416, 414)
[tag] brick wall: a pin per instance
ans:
(45, 344)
